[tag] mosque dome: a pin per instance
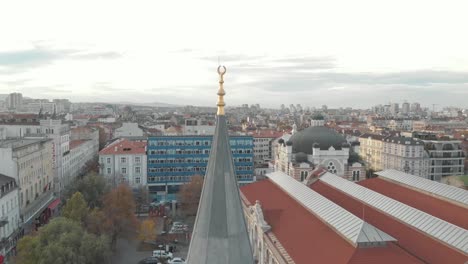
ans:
(301, 157)
(304, 140)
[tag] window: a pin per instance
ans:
(138, 170)
(304, 175)
(124, 170)
(356, 175)
(331, 167)
(123, 160)
(108, 170)
(137, 179)
(108, 160)
(137, 159)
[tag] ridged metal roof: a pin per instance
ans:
(449, 192)
(344, 222)
(441, 230)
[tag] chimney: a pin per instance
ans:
(115, 148)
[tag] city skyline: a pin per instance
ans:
(312, 57)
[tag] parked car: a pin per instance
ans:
(162, 254)
(177, 261)
(150, 260)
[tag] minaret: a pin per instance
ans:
(220, 234)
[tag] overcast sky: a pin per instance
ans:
(339, 53)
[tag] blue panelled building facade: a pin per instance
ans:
(173, 160)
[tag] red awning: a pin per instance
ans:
(54, 204)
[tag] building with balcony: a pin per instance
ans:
(173, 160)
(405, 154)
(30, 163)
(371, 148)
(32, 126)
(446, 158)
(10, 228)
(124, 161)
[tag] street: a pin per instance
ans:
(129, 252)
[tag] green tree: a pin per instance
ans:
(63, 241)
(119, 209)
(76, 208)
(92, 186)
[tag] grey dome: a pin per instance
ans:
(325, 137)
(289, 143)
(301, 157)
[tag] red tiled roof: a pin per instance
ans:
(76, 143)
(124, 146)
(267, 134)
(306, 238)
(416, 243)
(432, 205)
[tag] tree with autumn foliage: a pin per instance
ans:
(189, 195)
(147, 230)
(141, 198)
(95, 222)
(119, 211)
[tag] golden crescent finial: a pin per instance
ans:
(221, 71)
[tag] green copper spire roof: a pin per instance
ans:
(220, 233)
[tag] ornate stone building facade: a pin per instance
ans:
(317, 146)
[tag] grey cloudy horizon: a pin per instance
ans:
(311, 53)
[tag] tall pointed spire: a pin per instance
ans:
(220, 233)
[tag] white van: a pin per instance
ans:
(162, 254)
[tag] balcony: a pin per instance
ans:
(35, 207)
(3, 221)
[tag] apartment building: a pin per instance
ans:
(29, 162)
(446, 158)
(32, 126)
(124, 161)
(10, 228)
(407, 155)
(371, 148)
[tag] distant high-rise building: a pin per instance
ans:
(324, 107)
(415, 107)
(299, 107)
(394, 108)
(292, 108)
(405, 108)
(14, 101)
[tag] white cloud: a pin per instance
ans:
(162, 44)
